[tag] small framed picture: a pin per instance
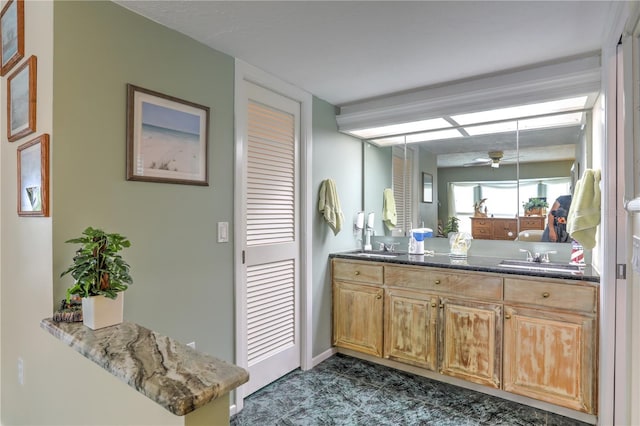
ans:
(427, 188)
(11, 34)
(167, 138)
(33, 177)
(21, 100)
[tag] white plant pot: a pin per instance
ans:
(99, 311)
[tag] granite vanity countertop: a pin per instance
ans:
(471, 263)
(170, 373)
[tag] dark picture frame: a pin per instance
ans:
(22, 100)
(33, 177)
(11, 35)
(427, 187)
(167, 138)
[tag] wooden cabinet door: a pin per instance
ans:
(410, 327)
(505, 229)
(551, 356)
(357, 317)
(471, 341)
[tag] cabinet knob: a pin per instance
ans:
(357, 272)
(436, 282)
(545, 294)
(433, 305)
(379, 296)
(507, 316)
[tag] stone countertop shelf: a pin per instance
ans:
(168, 372)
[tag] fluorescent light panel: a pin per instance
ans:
(521, 111)
(562, 120)
(419, 137)
(396, 129)
(377, 134)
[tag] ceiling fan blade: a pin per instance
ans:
(478, 162)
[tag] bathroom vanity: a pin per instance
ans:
(530, 333)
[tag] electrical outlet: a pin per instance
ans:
(192, 345)
(20, 371)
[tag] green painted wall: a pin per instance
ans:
(339, 157)
(427, 212)
(183, 279)
(377, 177)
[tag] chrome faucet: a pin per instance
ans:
(538, 257)
(387, 247)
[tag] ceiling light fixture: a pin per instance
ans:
(396, 129)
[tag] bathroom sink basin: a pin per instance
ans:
(378, 255)
(544, 267)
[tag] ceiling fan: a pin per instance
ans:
(494, 160)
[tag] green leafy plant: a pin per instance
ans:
(535, 203)
(97, 267)
(451, 226)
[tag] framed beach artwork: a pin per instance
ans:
(33, 177)
(21, 101)
(167, 138)
(11, 34)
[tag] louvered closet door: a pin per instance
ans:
(271, 245)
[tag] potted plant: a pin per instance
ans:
(451, 226)
(535, 206)
(100, 276)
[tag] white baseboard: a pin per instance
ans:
(232, 410)
(324, 355)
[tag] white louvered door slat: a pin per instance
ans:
(402, 180)
(271, 245)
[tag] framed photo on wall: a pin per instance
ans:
(21, 100)
(11, 35)
(427, 188)
(33, 177)
(167, 138)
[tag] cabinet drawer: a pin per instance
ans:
(481, 231)
(357, 271)
(479, 222)
(473, 285)
(531, 223)
(551, 294)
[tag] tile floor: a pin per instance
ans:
(346, 391)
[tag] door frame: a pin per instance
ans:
(614, 338)
(248, 73)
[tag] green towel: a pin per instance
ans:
(389, 215)
(329, 205)
(584, 213)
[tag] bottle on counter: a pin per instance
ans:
(577, 253)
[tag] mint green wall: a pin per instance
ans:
(377, 177)
(427, 212)
(183, 279)
(339, 157)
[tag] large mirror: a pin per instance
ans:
(494, 188)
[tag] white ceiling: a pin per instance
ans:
(346, 52)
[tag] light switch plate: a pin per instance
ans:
(223, 232)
